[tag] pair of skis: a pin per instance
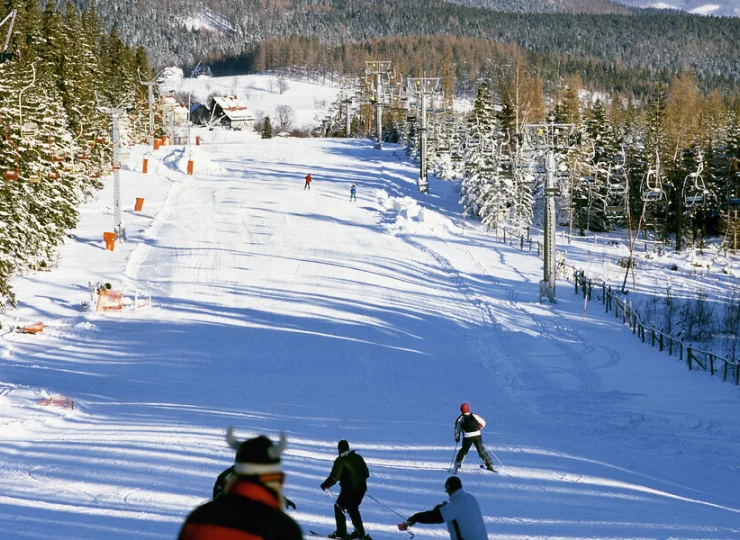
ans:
(492, 469)
(319, 535)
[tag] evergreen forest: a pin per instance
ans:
(59, 70)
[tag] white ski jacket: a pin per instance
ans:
(467, 434)
(463, 517)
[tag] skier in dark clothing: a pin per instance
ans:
(351, 472)
(226, 477)
(461, 514)
(470, 425)
(308, 183)
(251, 504)
(353, 193)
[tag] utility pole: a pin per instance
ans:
(549, 139)
(381, 69)
(423, 88)
(115, 113)
(349, 89)
(150, 84)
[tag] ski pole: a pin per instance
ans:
(454, 453)
(494, 455)
(391, 509)
(333, 498)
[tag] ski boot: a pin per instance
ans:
(456, 467)
(356, 535)
(335, 534)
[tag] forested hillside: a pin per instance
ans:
(185, 32)
(55, 141)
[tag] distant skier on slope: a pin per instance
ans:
(353, 193)
(470, 425)
(461, 514)
(307, 185)
(351, 472)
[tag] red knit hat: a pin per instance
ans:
(464, 408)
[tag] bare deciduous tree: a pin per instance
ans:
(285, 117)
(282, 85)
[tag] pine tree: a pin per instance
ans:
(267, 128)
(479, 153)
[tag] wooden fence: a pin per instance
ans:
(622, 309)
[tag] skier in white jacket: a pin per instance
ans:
(469, 425)
(461, 514)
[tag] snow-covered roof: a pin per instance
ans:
(233, 109)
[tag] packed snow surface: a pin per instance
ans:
(282, 309)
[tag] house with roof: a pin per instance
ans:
(233, 114)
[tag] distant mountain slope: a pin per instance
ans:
(188, 31)
(726, 8)
(545, 6)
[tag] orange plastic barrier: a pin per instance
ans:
(58, 401)
(33, 328)
(157, 143)
(145, 166)
(165, 140)
(139, 204)
(190, 167)
(110, 240)
(197, 140)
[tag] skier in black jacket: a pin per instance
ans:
(351, 472)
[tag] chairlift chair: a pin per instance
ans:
(29, 129)
(694, 188)
(652, 186)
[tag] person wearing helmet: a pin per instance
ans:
(461, 514)
(252, 502)
(469, 425)
(353, 193)
(350, 470)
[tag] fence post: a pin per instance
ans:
(660, 341)
(521, 243)
(504, 236)
(652, 337)
(680, 350)
(689, 356)
(711, 364)
(530, 245)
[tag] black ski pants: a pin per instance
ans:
(467, 442)
(349, 501)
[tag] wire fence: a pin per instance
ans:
(695, 358)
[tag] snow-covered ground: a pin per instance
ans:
(277, 308)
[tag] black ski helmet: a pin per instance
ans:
(453, 483)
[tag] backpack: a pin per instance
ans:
(469, 423)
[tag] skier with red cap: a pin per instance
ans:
(469, 425)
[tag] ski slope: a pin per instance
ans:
(278, 308)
